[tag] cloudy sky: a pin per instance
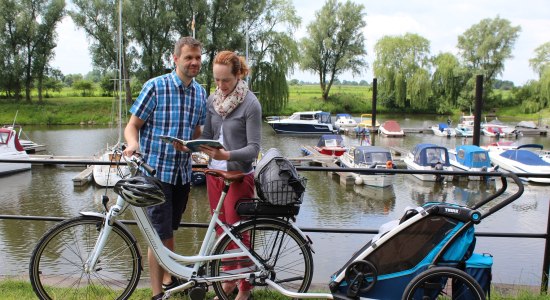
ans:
(441, 22)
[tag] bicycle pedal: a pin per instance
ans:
(197, 293)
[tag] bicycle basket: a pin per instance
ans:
(284, 192)
(277, 180)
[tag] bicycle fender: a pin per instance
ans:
(116, 223)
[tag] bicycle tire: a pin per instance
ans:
(443, 283)
(284, 251)
(56, 268)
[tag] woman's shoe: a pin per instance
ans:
(157, 296)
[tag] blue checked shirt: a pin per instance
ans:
(168, 107)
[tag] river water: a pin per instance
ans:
(49, 191)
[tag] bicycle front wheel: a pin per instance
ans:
(57, 268)
(443, 283)
(284, 252)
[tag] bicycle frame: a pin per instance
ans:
(175, 263)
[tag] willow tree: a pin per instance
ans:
(541, 61)
(272, 50)
(335, 43)
(484, 48)
(401, 62)
(447, 81)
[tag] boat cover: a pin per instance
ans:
(525, 157)
(330, 140)
(371, 154)
(392, 126)
(473, 156)
(426, 154)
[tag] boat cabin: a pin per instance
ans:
(330, 140)
(370, 155)
(429, 154)
(473, 156)
(322, 117)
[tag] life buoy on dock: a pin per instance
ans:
(389, 164)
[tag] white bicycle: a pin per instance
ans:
(94, 255)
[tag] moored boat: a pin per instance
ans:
(373, 157)
(10, 148)
(521, 160)
(331, 144)
(429, 157)
(344, 121)
(442, 129)
(391, 128)
(471, 158)
(464, 131)
(305, 122)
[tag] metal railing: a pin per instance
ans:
(545, 236)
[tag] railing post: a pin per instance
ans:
(477, 109)
(546, 259)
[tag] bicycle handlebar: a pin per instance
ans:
(141, 163)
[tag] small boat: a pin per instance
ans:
(504, 129)
(344, 121)
(366, 122)
(464, 131)
(442, 129)
(521, 160)
(331, 144)
(500, 146)
(391, 128)
(471, 158)
(466, 121)
(305, 122)
(429, 157)
(10, 148)
(373, 157)
(109, 174)
(493, 131)
(29, 146)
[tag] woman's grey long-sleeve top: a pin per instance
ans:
(242, 130)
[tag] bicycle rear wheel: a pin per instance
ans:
(443, 283)
(57, 263)
(282, 249)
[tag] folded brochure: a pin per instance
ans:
(193, 145)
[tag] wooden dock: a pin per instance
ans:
(83, 177)
(45, 159)
(313, 157)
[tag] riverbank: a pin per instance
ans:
(19, 288)
(67, 109)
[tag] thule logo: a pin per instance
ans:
(451, 210)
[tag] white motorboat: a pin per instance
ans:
(471, 158)
(373, 157)
(464, 131)
(344, 121)
(442, 129)
(10, 148)
(521, 160)
(304, 122)
(429, 157)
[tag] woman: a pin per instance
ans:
(234, 118)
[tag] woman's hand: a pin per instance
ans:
(217, 154)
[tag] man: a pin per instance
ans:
(173, 104)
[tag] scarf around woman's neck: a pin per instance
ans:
(225, 105)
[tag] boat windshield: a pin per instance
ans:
(367, 157)
(4, 136)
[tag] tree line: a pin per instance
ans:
(409, 76)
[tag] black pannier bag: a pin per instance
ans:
(277, 180)
(279, 187)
